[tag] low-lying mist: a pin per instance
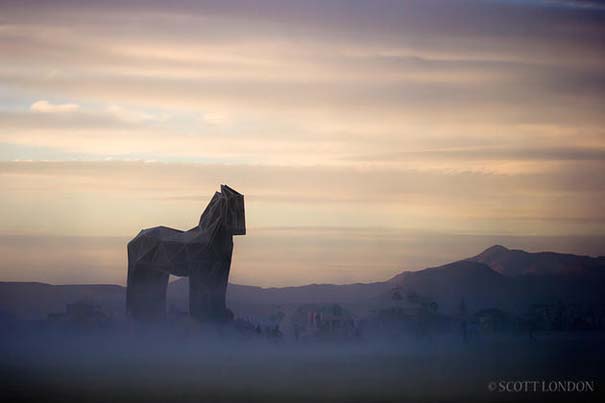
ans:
(220, 363)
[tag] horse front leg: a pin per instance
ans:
(207, 291)
(146, 292)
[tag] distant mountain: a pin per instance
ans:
(312, 293)
(515, 262)
(498, 277)
(510, 280)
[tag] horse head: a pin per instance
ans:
(225, 211)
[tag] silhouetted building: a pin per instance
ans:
(81, 314)
(323, 321)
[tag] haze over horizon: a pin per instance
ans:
(368, 138)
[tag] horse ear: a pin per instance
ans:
(237, 215)
(229, 192)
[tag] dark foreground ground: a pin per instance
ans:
(108, 368)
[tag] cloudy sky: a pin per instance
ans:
(369, 137)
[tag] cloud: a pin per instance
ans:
(43, 106)
(497, 154)
(145, 193)
(131, 116)
(590, 4)
(464, 116)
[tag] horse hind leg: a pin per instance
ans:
(146, 293)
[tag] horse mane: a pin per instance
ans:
(213, 216)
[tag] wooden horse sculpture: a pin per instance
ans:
(202, 253)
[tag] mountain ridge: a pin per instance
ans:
(515, 262)
(509, 279)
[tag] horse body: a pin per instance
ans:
(202, 253)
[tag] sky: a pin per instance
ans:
(369, 137)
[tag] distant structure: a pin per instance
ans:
(323, 321)
(82, 314)
(202, 253)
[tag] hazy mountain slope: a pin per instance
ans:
(476, 283)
